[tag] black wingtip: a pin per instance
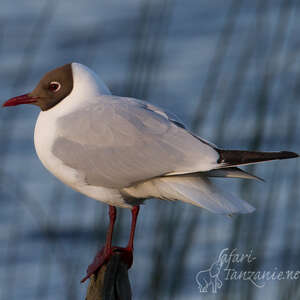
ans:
(288, 154)
(239, 157)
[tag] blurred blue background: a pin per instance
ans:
(229, 69)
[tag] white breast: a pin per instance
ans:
(45, 134)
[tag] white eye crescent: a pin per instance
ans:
(54, 86)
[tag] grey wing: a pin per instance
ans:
(166, 114)
(122, 141)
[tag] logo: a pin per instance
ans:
(228, 267)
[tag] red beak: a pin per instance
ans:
(23, 99)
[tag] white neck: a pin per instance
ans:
(86, 82)
(87, 88)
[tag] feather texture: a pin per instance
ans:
(195, 190)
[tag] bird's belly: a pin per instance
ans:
(45, 134)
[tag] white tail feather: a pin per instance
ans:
(195, 190)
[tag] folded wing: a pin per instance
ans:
(121, 141)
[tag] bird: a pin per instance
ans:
(122, 151)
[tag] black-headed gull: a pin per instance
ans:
(122, 151)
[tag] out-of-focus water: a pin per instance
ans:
(229, 69)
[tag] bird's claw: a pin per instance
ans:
(103, 256)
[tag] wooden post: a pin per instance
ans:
(111, 282)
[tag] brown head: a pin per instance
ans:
(52, 88)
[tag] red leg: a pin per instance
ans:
(127, 253)
(112, 218)
(103, 255)
(135, 213)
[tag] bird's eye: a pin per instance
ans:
(54, 86)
